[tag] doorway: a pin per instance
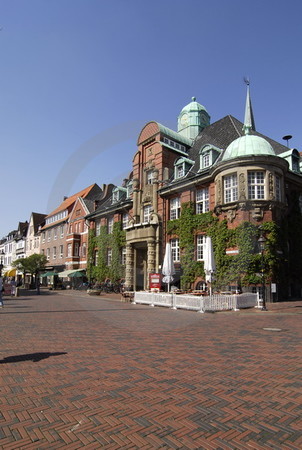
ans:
(141, 269)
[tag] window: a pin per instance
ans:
(69, 250)
(125, 220)
(202, 200)
(55, 233)
(61, 251)
(150, 177)
(230, 188)
(175, 208)
(129, 189)
(62, 230)
(109, 256)
(49, 235)
(115, 196)
(84, 250)
(54, 252)
(48, 254)
(180, 171)
(206, 160)
(110, 225)
(174, 144)
(147, 213)
(256, 185)
(43, 236)
(97, 227)
(200, 246)
(175, 249)
(76, 249)
(278, 188)
(182, 167)
(118, 194)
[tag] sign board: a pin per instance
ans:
(154, 280)
(273, 288)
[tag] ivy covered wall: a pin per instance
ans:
(244, 268)
(115, 241)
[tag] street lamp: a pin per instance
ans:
(261, 242)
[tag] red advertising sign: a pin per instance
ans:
(155, 280)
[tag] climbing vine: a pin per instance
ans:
(101, 243)
(244, 267)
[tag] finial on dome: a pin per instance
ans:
(193, 99)
(249, 122)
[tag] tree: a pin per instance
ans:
(32, 264)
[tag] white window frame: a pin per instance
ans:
(149, 177)
(110, 223)
(125, 220)
(202, 200)
(256, 185)
(147, 213)
(230, 185)
(97, 227)
(109, 256)
(61, 251)
(175, 249)
(174, 208)
(206, 160)
(200, 247)
(54, 253)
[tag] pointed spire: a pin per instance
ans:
(249, 122)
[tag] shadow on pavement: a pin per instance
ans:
(34, 357)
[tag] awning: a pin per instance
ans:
(66, 273)
(10, 273)
(77, 274)
(49, 274)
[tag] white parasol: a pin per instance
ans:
(209, 261)
(168, 269)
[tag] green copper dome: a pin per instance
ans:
(193, 106)
(248, 145)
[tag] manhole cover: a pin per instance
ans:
(272, 329)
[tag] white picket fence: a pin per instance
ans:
(217, 302)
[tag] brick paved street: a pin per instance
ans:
(79, 371)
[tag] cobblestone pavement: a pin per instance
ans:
(79, 371)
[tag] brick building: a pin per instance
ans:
(225, 180)
(63, 234)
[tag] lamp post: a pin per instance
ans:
(261, 242)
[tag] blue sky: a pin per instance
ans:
(85, 75)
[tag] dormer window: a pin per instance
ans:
(208, 155)
(182, 167)
(118, 194)
(292, 156)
